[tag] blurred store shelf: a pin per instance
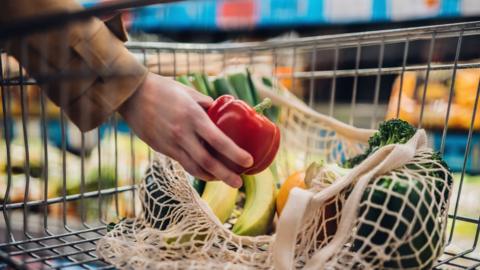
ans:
(262, 14)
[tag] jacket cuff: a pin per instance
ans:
(106, 95)
(119, 75)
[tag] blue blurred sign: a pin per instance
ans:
(247, 14)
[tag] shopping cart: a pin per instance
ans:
(53, 213)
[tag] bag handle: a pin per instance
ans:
(301, 203)
(384, 160)
(288, 225)
(291, 101)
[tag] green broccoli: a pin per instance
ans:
(403, 197)
(390, 132)
(388, 202)
(407, 197)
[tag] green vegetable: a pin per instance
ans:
(272, 112)
(199, 84)
(402, 197)
(184, 80)
(240, 83)
(267, 81)
(414, 254)
(198, 185)
(210, 89)
(223, 87)
(160, 206)
(36, 169)
(111, 225)
(407, 196)
(390, 132)
(253, 89)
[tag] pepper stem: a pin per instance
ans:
(265, 104)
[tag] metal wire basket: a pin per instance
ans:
(55, 216)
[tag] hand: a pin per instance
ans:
(171, 119)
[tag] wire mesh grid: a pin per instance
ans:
(61, 187)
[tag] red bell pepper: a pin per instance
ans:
(249, 129)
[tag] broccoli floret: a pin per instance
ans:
(350, 163)
(390, 132)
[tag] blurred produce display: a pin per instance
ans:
(435, 93)
(66, 178)
(12, 71)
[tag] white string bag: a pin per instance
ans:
(320, 228)
(393, 215)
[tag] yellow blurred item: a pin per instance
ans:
(436, 95)
(466, 84)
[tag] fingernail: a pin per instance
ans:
(249, 161)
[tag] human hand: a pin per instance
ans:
(171, 119)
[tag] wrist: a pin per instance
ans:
(129, 103)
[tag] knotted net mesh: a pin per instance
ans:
(398, 223)
(396, 219)
(401, 219)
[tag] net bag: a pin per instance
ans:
(393, 213)
(390, 211)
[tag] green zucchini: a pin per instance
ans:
(267, 81)
(210, 89)
(272, 112)
(184, 80)
(253, 89)
(223, 87)
(240, 83)
(199, 84)
(159, 204)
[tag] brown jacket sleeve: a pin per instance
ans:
(83, 67)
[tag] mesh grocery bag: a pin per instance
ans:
(388, 212)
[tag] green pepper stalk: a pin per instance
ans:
(262, 106)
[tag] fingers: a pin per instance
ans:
(208, 163)
(222, 143)
(203, 100)
(189, 165)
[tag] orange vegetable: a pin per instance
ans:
(294, 180)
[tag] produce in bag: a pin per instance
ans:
(296, 179)
(297, 243)
(221, 198)
(399, 215)
(259, 208)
